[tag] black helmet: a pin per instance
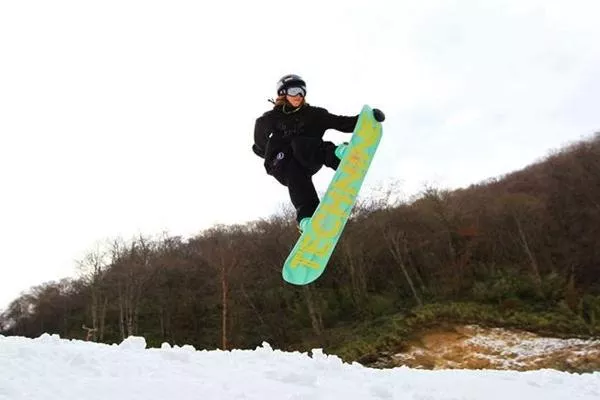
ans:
(289, 81)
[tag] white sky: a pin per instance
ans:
(122, 117)
(56, 369)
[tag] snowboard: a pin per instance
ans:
(310, 255)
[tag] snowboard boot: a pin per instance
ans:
(340, 150)
(303, 224)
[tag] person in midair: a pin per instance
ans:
(290, 140)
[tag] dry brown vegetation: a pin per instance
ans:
(475, 347)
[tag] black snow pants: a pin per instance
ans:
(295, 168)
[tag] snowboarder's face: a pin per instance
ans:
(295, 101)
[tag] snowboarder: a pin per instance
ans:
(290, 139)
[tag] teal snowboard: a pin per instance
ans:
(312, 251)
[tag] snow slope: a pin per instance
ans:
(53, 368)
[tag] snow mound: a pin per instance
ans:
(52, 368)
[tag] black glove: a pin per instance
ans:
(378, 115)
(258, 151)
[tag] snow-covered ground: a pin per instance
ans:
(53, 368)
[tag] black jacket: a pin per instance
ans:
(277, 130)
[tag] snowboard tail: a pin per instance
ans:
(311, 253)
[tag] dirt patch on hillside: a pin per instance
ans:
(474, 347)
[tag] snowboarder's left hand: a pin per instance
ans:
(378, 115)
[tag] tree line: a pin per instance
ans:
(530, 238)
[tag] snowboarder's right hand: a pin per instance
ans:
(378, 115)
(259, 152)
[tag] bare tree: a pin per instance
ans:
(133, 269)
(218, 247)
(91, 271)
(397, 246)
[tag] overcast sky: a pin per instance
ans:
(123, 117)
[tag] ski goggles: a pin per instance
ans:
(295, 91)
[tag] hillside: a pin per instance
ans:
(519, 251)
